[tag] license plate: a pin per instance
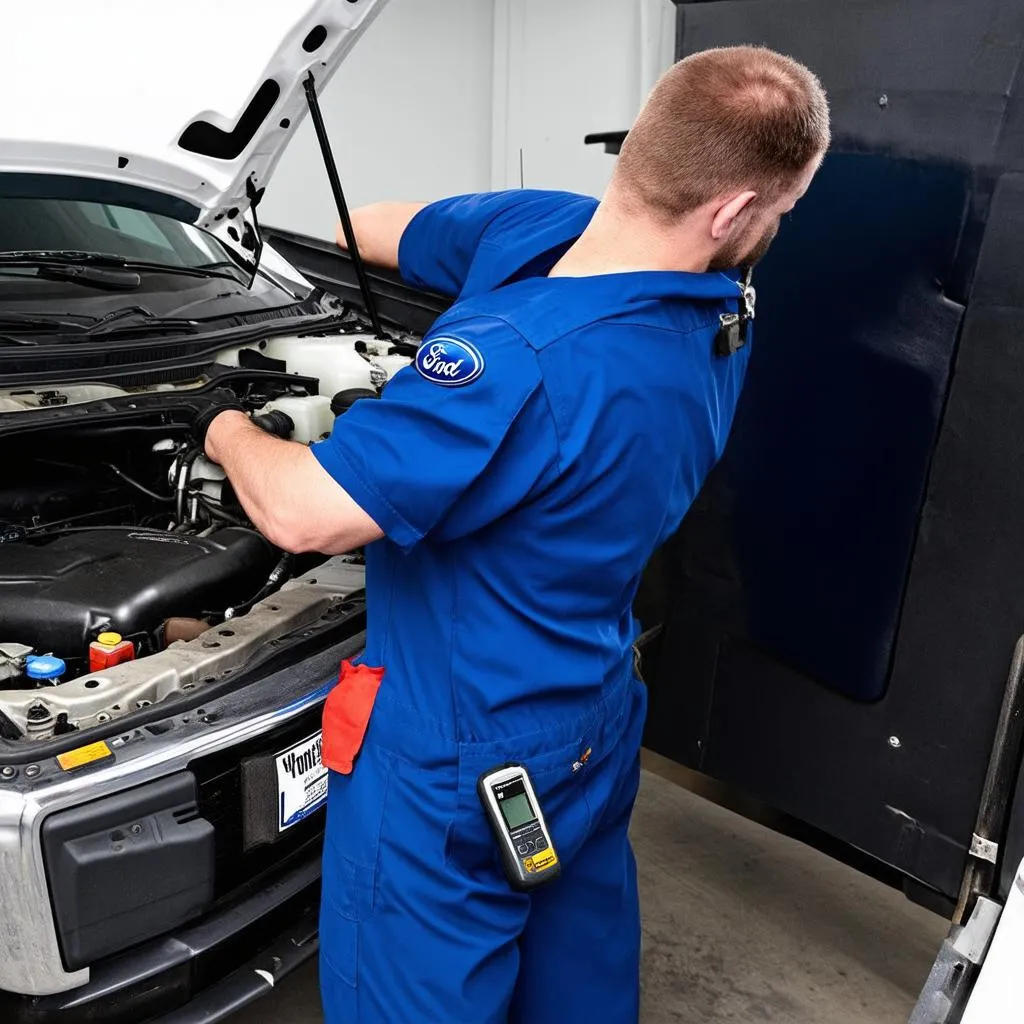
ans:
(301, 782)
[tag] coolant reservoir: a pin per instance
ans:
(109, 649)
(333, 360)
(391, 364)
(311, 415)
(206, 476)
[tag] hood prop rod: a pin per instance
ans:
(339, 199)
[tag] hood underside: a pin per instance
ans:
(190, 103)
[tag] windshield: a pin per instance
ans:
(67, 264)
(72, 224)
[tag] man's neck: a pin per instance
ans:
(621, 240)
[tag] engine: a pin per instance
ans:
(123, 549)
(68, 592)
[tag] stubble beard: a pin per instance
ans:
(737, 254)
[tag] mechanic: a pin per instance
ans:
(510, 488)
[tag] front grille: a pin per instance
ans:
(221, 803)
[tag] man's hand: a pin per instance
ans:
(207, 406)
(284, 490)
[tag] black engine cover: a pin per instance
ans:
(57, 594)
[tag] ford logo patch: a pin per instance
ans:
(449, 362)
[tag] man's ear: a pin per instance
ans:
(725, 217)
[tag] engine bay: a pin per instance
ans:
(128, 569)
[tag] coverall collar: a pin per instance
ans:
(642, 297)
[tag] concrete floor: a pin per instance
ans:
(742, 925)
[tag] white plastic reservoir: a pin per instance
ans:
(333, 360)
(311, 415)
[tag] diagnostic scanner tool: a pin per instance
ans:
(527, 853)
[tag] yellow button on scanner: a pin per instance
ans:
(109, 639)
(540, 861)
(81, 756)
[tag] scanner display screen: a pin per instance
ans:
(516, 809)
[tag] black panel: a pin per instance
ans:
(965, 603)
(841, 605)
(127, 867)
(945, 67)
(846, 384)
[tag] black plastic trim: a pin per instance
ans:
(127, 867)
(328, 267)
(243, 986)
(109, 360)
(194, 963)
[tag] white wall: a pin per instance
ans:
(408, 113)
(440, 96)
(564, 69)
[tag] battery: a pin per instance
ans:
(109, 649)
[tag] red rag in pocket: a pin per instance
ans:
(347, 715)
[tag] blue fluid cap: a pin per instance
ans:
(44, 667)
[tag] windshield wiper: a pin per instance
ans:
(217, 268)
(33, 323)
(76, 258)
(149, 323)
(15, 326)
(204, 270)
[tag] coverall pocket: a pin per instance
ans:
(357, 793)
(560, 789)
(355, 815)
(339, 935)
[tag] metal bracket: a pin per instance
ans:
(984, 849)
(974, 938)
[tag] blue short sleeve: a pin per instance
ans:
(437, 432)
(485, 235)
(440, 243)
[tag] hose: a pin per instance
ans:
(139, 487)
(184, 475)
(216, 510)
(278, 575)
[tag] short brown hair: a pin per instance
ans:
(723, 119)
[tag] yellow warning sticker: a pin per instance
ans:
(541, 861)
(81, 756)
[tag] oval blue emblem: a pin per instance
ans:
(450, 362)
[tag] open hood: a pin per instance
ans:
(181, 108)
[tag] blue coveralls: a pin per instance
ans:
(552, 433)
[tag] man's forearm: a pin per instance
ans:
(284, 490)
(378, 229)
